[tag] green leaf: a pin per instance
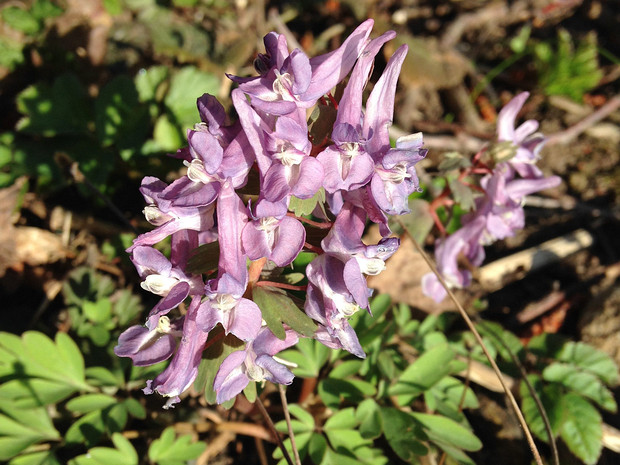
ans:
(444, 430)
(167, 135)
(551, 398)
(212, 358)
(61, 361)
(418, 223)
(44, 9)
(309, 355)
(100, 376)
(278, 309)
(135, 408)
(182, 103)
(90, 402)
(403, 434)
(34, 392)
(333, 391)
(250, 392)
(123, 454)
(148, 81)
(170, 451)
(368, 415)
(346, 369)
(20, 20)
(304, 207)
(120, 118)
(98, 312)
(36, 458)
(317, 448)
(584, 383)
(22, 428)
(423, 373)
(590, 359)
(62, 109)
(582, 429)
(304, 416)
(87, 430)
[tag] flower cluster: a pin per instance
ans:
(361, 175)
(499, 211)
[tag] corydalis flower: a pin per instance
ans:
(183, 368)
(256, 363)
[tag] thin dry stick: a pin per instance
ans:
(472, 328)
(287, 417)
(272, 427)
(530, 388)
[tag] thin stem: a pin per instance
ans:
(313, 248)
(472, 328)
(290, 287)
(287, 417)
(530, 388)
(272, 427)
(316, 224)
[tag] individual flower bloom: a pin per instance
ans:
(273, 235)
(149, 346)
(465, 241)
(526, 143)
(213, 118)
(289, 81)
(347, 164)
(395, 177)
(334, 330)
(256, 363)
(183, 368)
(336, 291)
(292, 170)
(163, 279)
(344, 241)
(225, 304)
(169, 218)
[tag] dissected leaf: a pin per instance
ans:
(582, 428)
(218, 348)
(309, 355)
(441, 429)
(590, 359)
(581, 382)
(422, 374)
(551, 398)
(403, 434)
(170, 451)
(277, 309)
(304, 207)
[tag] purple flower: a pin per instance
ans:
(183, 368)
(292, 171)
(255, 363)
(149, 346)
(224, 303)
(169, 218)
(336, 291)
(273, 235)
(347, 163)
(163, 279)
(290, 81)
(344, 241)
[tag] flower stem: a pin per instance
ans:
(290, 287)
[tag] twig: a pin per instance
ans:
(564, 137)
(533, 393)
(472, 328)
(272, 427)
(491, 275)
(287, 417)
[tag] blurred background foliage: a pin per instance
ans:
(95, 93)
